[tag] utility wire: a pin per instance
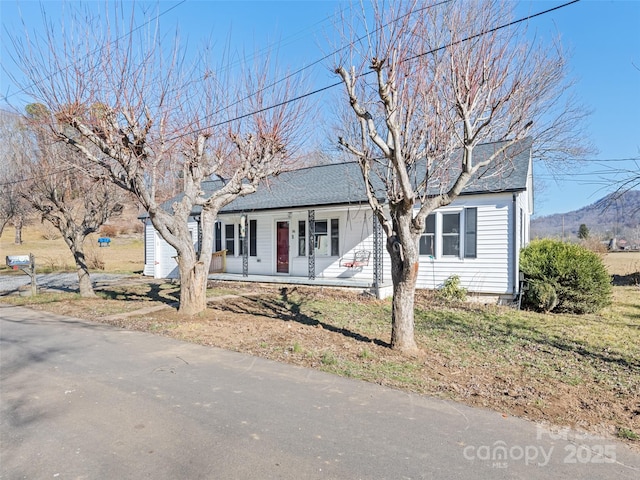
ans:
(300, 70)
(495, 29)
(27, 179)
(430, 52)
(322, 89)
(99, 49)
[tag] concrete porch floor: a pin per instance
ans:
(289, 280)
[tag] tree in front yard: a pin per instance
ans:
(142, 114)
(14, 209)
(425, 85)
(76, 204)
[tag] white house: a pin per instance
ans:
(314, 226)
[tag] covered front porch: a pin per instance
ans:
(364, 285)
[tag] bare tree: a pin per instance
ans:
(14, 210)
(76, 204)
(425, 86)
(145, 113)
(623, 180)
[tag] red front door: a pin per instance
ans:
(282, 250)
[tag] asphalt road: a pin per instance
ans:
(81, 400)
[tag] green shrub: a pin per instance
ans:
(452, 291)
(542, 295)
(576, 275)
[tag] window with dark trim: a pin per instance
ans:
(335, 238)
(321, 240)
(253, 238)
(470, 232)
(451, 234)
(327, 237)
(230, 238)
(302, 238)
(427, 239)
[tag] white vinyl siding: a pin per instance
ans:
(350, 236)
(165, 265)
(489, 271)
(149, 249)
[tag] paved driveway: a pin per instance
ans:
(86, 401)
(57, 281)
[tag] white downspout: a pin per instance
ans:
(516, 273)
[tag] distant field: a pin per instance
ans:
(622, 263)
(125, 255)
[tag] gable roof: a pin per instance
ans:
(342, 183)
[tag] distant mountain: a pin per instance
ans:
(606, 218)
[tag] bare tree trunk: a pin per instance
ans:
(194, 268)
(84, 278)
(402, 316)
(18, 225)
(404, 273)
(193, 283)
(4, 219)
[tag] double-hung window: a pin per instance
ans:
(451, 234)
(427, 239)
(230, 238)
(302, 238)
(321, 241)
(326, 239)
(446, 237)
(251, 234)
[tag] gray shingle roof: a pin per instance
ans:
(312, 186)
(342, 183)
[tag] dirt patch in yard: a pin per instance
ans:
(540, 367)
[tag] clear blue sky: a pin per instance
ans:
(603, 36)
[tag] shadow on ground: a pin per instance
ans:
(286, 309)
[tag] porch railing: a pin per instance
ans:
(218, 262)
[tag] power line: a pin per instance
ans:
(300, 70)
(97, 50)
(597, 160)
(430, 52)
(322, 89)
(495, 29)
(27, 179)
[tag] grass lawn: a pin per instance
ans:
(124, 255)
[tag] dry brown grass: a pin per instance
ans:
(624, 266)
(125, 255)
(622, 263)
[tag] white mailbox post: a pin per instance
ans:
(26, 263)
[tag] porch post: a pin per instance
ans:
(244, 222)
(311, 254)
(198, 233)
(378, 274)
